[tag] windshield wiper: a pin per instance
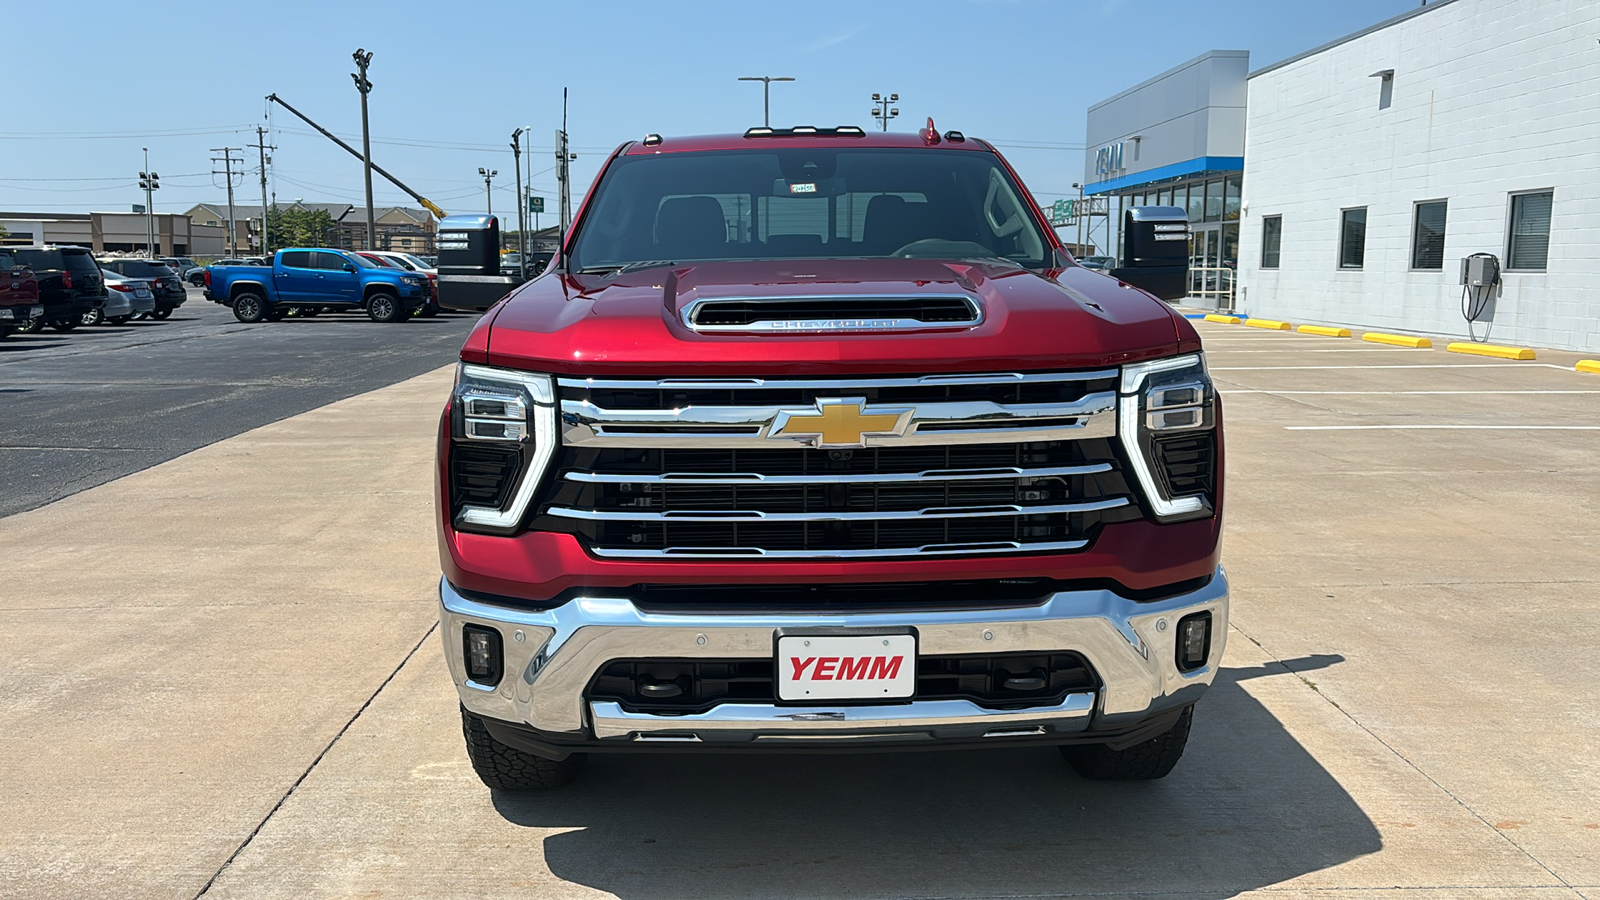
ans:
(627, 267)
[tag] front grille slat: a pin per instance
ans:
(773, 499)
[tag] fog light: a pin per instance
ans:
(1194, 641)
(482, 651)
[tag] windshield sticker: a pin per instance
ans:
(803, 188)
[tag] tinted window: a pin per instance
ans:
(40, 260)
(1353, 238)
(1530, 231)
(1271, 241)
(1427, 238)
(137, 268)
(381, 261)
(80, 262)
(298, 259)
(794, 203)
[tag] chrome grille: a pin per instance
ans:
(693, 468)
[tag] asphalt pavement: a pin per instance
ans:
(86, 407)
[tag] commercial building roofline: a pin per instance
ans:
(1352, 36)
(1209, 54)
(1161, 173)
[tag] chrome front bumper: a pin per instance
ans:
(551, 657)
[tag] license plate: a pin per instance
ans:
(855, 667)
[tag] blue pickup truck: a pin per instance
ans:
(309, 281)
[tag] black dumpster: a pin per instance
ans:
(469, 263)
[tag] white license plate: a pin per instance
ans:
(857, 667)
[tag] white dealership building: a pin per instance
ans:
(1374, 164)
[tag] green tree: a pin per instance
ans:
(296, 227)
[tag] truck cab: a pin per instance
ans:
(311, 280)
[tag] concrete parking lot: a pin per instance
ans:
(222, 681)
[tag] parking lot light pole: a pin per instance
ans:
(151, 182)
(766, 94)
(363, 59)
(488, 177)
(522, 208)
(881, 110)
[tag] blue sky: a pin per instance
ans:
(452, 80)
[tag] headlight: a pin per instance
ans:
(502, 438)
(1167, 423)
(412, 280)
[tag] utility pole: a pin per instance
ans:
(766, 94)
(881, 110)
(261, 148)
(363, 59)
(564, 182)
(522, 210)
(227, 161)
(150, 181)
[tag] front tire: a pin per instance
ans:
(386, 307)
(249, 307)
(161, 314)
(503, 768)
(1146, 761)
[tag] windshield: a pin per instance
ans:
(823, 203)
(363, 262)
(379, 261)
(416, 262)
(137, 268)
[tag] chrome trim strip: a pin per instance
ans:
(756, 427)
(982, 549)
(734, 515)
(768, 719)
(844, 323)
(834, 384)
(754, 478)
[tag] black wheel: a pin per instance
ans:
(505, 768)
(65, 324)
(1142, 762)
(34, 326)
(385, 307)
(92, 317)
(120, 320)
(161, 314)
(249, 307)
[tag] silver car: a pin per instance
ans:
(125, 298)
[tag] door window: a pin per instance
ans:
(326, 261)
(296, 259)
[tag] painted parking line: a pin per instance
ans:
(1482, 365)
(1398, 393)
(1322, 350)
(1441, 428)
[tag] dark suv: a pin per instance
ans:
(70, 283)
(164, 282)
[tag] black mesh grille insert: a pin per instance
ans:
(932, 310)
(997, 681)
(1187, 463)
(481, 476)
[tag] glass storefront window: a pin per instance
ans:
(1230, 200)
(1214, 200)
(1197, 202)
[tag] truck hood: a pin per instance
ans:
(632, 324)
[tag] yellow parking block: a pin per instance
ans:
(1492, 350)
(1588, 365)
(1267, 323)
(1323, 330)
(1226, 320)
(1398, 340)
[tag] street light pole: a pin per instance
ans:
(363, 59)
(766, 94)
(488, 177)
(522, 208)
(881, 110)
(150, 181)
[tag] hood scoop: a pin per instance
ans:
(831, 314)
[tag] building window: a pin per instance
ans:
(1385, 89)
(1271, 241)
(1230, 202)
(1528, 248)
(1427, 236)
(1214, 200)
(1197, 202)
(1353, 238)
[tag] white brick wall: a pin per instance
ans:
(1491, 97)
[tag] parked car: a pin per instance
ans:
(179, 264)
(914, 481)
(70, 283)
(411, 263)
(316, 278)
(1099, 263)
(164, 282)
(126, 298)
(20, 305)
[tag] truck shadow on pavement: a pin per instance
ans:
(1247, 807)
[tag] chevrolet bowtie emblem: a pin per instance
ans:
(840, 422)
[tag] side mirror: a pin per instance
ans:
(1155, 251)
(349, 267)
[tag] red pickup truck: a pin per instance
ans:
(813, 438)
(19, 294)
